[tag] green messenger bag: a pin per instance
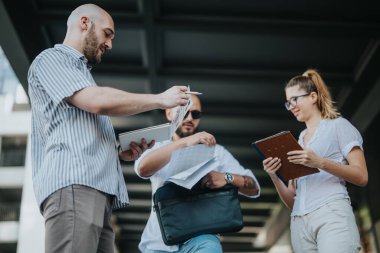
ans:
(183, 214)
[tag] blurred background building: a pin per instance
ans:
(239, 54)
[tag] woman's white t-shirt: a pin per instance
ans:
(333, 140)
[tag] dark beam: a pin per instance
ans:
(234, 24)
(269, 25)
(210, 71)
(365, 92)
(31, 34)
(218, 73)
(120, 69)
(149, 48)
(245, 109)
(123, 20)
(152, 48)
(13, 47)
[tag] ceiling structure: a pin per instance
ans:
(239, 54)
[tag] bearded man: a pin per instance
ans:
(77, 174)
(155, 166)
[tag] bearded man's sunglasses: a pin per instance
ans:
(194, 114)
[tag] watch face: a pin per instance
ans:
(229, 178)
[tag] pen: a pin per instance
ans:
(193, 92)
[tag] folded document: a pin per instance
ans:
(192, 176)
(188, 165)
(158, 133)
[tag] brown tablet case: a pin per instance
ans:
(277, 146)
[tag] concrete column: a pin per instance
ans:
(31, 228)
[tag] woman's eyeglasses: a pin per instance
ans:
(293, 101)
(194, 114)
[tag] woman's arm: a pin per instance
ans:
(286, 193)
(354, 172)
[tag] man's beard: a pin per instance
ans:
(90, 49)
(182, 134)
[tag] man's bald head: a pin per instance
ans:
(90, 30)
(91, 11)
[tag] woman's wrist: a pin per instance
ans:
(274, 177)
(322, 163)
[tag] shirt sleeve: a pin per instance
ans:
(59, 76)
(231, 165)
(348, 136)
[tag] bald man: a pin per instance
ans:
(77, 174)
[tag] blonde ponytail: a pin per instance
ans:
(311, 81)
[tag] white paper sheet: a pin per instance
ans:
(190, 164)
(179, 116)
(198, 172)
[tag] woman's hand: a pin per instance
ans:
(305, 157)
(271, 165)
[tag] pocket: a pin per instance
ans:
(340, 207)
(51, 205)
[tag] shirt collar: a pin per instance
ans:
(74, 53)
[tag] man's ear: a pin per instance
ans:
(169, 114)
(84, 22)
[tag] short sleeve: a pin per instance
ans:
(60, 77)
(348, 136)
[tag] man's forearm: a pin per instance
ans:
(158, 158)
(246, 185)
(114, 102)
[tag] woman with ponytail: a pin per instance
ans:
(322, 219)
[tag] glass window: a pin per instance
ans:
(11, 91)
(12, 150)
(10, 200)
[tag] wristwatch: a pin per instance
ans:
(229, 178)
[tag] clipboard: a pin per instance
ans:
(277, 146)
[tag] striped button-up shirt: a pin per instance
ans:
(70, 145)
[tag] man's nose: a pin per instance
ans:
(189, 115)
(109, 44)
